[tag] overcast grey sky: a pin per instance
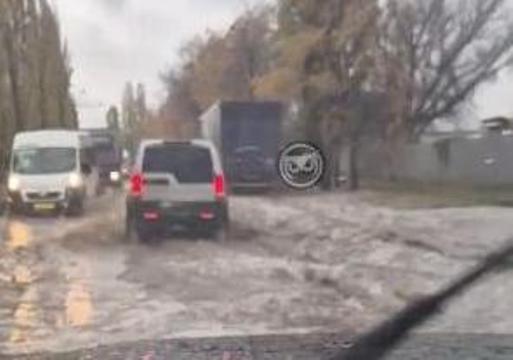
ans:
(113, 41)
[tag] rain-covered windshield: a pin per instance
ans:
(188, 164)
(256, 179)
(44, 161)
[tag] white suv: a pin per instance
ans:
(176, 185)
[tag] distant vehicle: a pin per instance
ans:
(51, 171)
(248, 135)
(177, 185)
(108, 156)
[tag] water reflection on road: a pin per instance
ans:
(18, 235)
(26, 318)
(37, 314)
(78, 303)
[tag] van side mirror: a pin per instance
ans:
(86, 169)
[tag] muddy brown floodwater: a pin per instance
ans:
(293, 265)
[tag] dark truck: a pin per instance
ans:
(108, 156)
(248, 136)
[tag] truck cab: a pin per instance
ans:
(108, 156)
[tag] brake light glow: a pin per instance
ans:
(136, 185)
(207, 215)
(220, 186)
(151, 216)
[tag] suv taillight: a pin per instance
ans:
(136, 185)
(219, 187)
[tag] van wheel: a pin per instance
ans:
(13, 211)
(75, 209)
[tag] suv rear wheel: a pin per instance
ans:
(136, 234)
(223, 233)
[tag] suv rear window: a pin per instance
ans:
(188, 163)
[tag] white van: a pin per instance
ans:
(51, 171)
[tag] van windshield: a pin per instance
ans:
(44, 161)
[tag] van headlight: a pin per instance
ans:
(75, 181)
(13, 183)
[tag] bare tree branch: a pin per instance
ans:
(446, 50)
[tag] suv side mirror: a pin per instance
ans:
(86, 169)
(125, 172)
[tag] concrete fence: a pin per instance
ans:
(484, 160)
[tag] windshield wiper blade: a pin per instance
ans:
(387, 336)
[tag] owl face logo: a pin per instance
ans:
(301, 165)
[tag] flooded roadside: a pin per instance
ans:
(295, 267)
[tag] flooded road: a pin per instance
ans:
(292, 266)
(48, 289)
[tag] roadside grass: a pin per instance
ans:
(415, 195)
